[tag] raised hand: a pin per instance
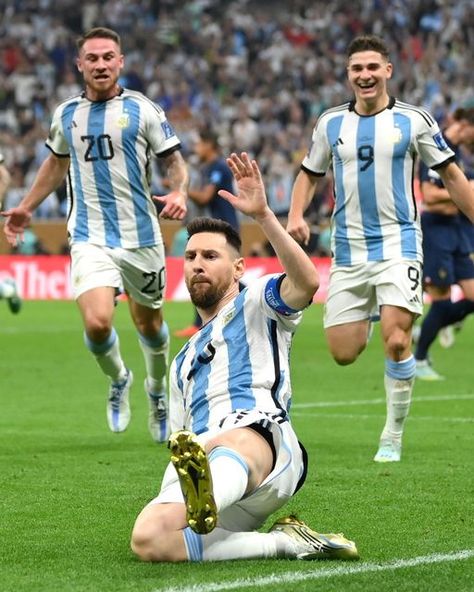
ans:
(251, 198)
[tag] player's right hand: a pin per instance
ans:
(299, 230)
(17, 219)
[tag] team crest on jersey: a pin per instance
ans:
(123, 121)
(396, 135)
(228, 317)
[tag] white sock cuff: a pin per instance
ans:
(229, 454)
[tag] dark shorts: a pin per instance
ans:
(468, 228)
(447, 250)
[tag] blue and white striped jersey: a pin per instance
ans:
(110, 144)
(237, 361)
(375, 216)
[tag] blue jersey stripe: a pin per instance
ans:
(366, 188)
(407, 227)
(343, 250)
(129, 139)
(100, 153)
(81, 229)
(200, 371)
(240, 367)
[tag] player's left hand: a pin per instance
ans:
(174, 203)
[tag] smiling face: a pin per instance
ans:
(212, 269)
(100, 63)
(368, 72)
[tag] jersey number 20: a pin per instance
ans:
(98, 147)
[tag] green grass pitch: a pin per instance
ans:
(70, 490)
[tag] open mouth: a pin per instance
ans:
(366, 85)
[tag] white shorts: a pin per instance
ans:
(281, 484)
(356, 293)
(139, 272)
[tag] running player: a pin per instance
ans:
(447, 251)
(372, 142)
(102, 141)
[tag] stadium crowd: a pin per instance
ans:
(258, 74)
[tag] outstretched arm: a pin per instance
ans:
(50, 175)
(302, 280)
(175, 201)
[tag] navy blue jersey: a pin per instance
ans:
(217, 173)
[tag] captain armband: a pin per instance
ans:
(273, 298)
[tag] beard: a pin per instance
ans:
(204, 295)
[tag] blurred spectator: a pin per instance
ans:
(257, 73)
(30, 245)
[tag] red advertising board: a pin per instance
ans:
(47, 277)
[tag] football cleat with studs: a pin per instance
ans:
(118, 406)
(158, 423)
(191, 463)
(312, 545)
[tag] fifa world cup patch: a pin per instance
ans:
(440, 141)
(167, 129)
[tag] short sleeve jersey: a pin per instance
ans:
(373, 157)
(110, 144)
(239, 361)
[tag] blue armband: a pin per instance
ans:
(273, 298)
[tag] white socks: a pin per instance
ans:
(222, 544)
(229, 476)
(107, 355)
(156, 353)
(230, 479)
(399, 380)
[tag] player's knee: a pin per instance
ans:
(345, 355)
(148, 542)
(98, 328)
(397, 344)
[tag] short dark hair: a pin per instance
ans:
(210, 137)
(368, 43)
(204, 224)
(461, 113)
(98, 33)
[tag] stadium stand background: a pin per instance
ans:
(257, 73)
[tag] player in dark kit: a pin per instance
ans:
(447, 249)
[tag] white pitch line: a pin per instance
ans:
(318, 574)
(378, 416)
(377, 401)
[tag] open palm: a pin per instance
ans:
(251, 199)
